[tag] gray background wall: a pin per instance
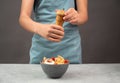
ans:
(100, 35)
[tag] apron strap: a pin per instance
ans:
(75, 4)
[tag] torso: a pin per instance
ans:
(69, 47)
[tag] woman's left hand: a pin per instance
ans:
(72, 16)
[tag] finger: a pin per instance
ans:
(54, 40)
(74, 21)
(68, 17)
(69, 11)
(68, 14)
(55, 36)
(58, 27)
(57, 32)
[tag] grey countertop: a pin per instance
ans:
(77, 73)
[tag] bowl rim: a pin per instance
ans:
(55, 64)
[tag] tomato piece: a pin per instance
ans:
(53, 58)
(66, 61)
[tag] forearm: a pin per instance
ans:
(83, 18)
(28, 24)
(82, 10)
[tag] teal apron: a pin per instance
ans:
(69, 47)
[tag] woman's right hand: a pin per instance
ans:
(51, 32)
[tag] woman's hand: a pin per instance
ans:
(74, 17)
(51, 32)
